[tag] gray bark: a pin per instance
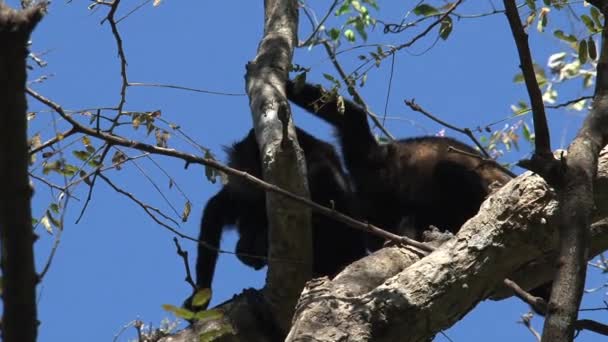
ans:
(283, 161)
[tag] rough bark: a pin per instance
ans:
(395, 292)
(576, 205)
(283, 160)
(19, 321)
(515, 227)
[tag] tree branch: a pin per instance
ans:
(576, 206)
(19, 279)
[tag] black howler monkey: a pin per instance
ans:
(241, 205)
(415, 181)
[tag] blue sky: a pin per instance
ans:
(116, 264)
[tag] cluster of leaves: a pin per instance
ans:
(199, 300)
(148, 119)
(358, 20)
(579, 59)
(506, 139)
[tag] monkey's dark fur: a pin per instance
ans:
(415, 181)
(241, 205)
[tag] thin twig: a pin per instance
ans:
(466, 131)
(184, 255)
(317, 26)
(170, 86)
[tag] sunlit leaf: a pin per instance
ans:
(179, 312)
(201, 297)
(589, 23)
(208, 315)
(349, 35)
(345, 8)
(46, 223)
(542, 19)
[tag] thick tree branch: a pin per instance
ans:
(576, 206)
(289, 224)
(515, 226)
(19, 319)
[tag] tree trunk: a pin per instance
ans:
(19, 321)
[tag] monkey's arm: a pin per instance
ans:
(351, 124)
(316, 100)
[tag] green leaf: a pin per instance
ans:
(589, 23)
(446, 28)
(582, 51)
(334, 33)
(519, 78)
(69, 170)
(592, 48)
(596, 16)
(179, 312)
(54, 207)
(425, 10)
(531, 4)
(345, 8)
(372, 3)
(82, 155)
(330, 78)
(349, 35)
(561, 35)
(358, 7)
(208, 315)
(201, 297)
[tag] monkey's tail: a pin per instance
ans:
(216, 215)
